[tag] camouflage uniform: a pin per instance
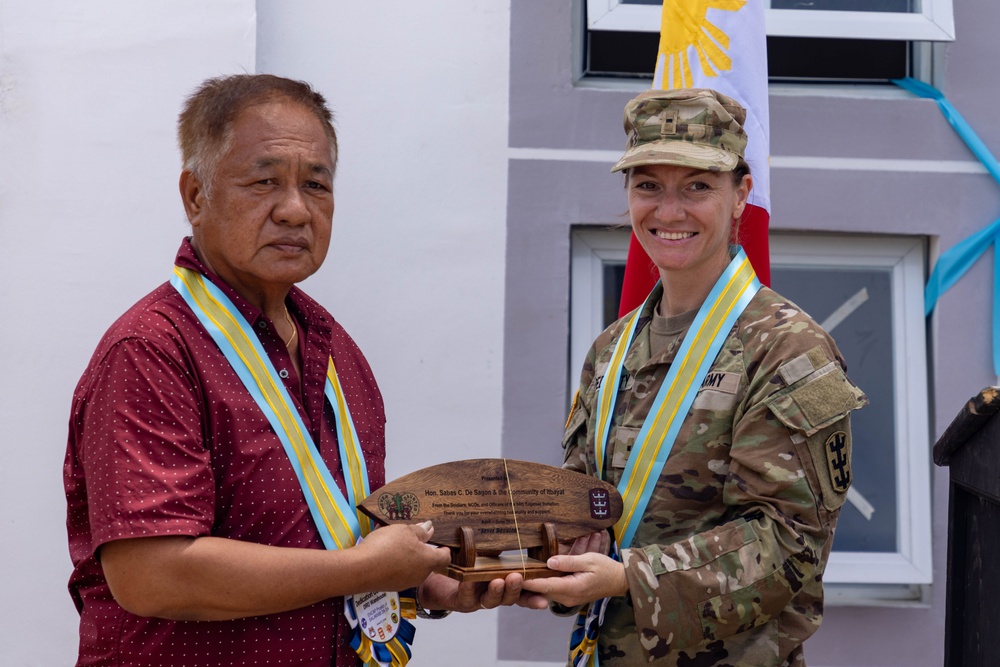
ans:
(727, 563)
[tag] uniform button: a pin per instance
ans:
(262, 324)
(283, 373)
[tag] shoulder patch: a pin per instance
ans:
(838, 458)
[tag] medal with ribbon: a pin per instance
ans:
(381, 634)
(715, 319)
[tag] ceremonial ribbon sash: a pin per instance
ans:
(731, 294)
(339, 522)
(954, 262)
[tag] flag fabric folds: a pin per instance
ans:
(718, 44)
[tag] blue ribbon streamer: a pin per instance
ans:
(953, 263)
(380, 651)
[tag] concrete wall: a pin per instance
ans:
(90, 220)
(415, 271)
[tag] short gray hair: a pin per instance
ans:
(205, 125)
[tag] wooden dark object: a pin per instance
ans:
(483, 507)
(970, 447)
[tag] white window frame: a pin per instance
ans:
(935, 22)
(911, 563)
(591, 248)
(904, 258)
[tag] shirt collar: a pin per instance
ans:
(306, 310)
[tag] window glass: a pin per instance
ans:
(863, 331)
(905, 6)
(614, 276)
(617, 54)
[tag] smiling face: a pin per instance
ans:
(266, 225)
(684, 218)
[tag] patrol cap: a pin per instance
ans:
(686, 127)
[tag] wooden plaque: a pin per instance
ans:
(483, 507)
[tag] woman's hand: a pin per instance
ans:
(592, 576)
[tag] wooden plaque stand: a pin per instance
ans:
(467, 565)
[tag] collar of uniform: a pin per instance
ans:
(638, 353)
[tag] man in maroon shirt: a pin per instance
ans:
(191, 540)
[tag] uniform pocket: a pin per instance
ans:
(816, 409)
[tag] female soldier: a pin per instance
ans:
(721, 412)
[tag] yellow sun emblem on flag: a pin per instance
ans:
(684, 24)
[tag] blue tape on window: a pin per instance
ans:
(953, 263)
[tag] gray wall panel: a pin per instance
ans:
(546, 198)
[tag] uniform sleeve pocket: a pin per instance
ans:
(741, 609)
(817, 400)
(815, 409)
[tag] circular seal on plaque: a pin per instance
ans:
(399, 506)
(375, 611)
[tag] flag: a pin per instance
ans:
(718, 44)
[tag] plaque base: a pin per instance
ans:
(467, 565)
(488, 568)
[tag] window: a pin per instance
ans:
(820, 40)
(868, 292)
(597, 267)
(907, 20)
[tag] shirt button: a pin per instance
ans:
(283, 373)
(262, 324)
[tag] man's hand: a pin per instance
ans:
(598, 543)
(399, 557)
(440, 592)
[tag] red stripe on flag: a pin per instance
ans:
(641, 274)
(753, 238)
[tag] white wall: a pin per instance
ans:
(90, 221)
(416, 266)
(415, 271)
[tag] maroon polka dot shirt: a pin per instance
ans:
(165, 440)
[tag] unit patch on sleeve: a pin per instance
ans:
(838, 457)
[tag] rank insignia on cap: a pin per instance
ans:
(838, 457)
(668, 127)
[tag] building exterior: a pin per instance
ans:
(473, 237)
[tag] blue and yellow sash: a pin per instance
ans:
(339, 522)
(715, 319)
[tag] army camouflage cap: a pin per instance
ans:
(686, 127)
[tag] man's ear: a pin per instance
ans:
(192, 195)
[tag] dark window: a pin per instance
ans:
(633, 55)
